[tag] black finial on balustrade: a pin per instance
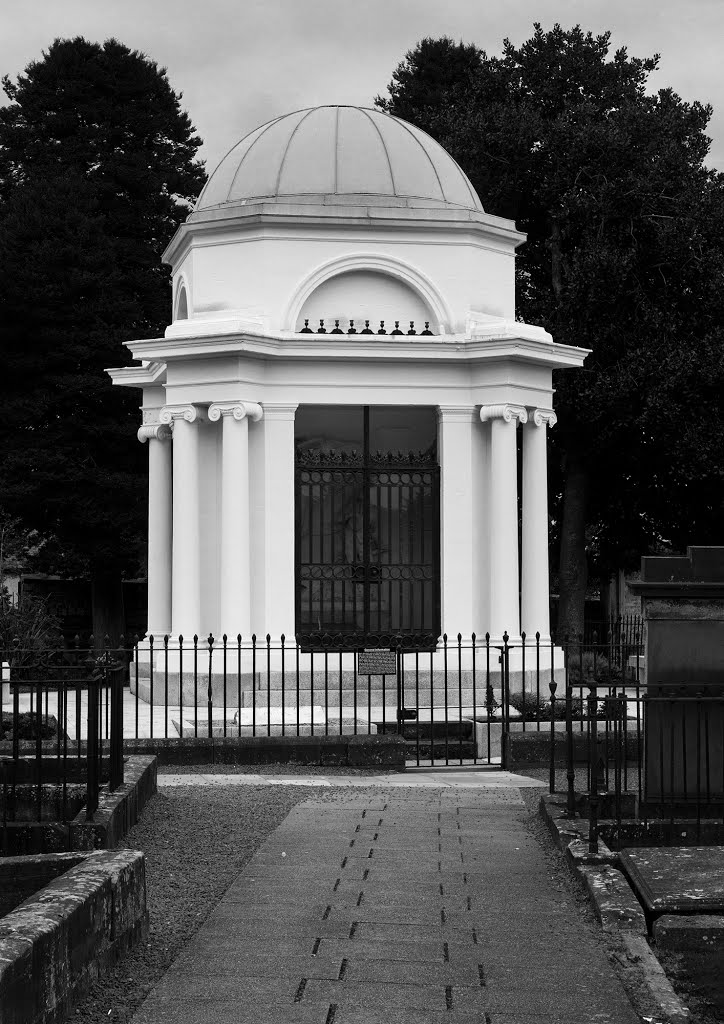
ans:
(366, 328)
(306, 329)
(382, 328)
(427, 328)
(412, 328)
(397, 328)
(322, 328)
(337, 328)
(352, 329)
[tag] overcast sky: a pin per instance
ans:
(240, 64)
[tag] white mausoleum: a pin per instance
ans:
(333, 415)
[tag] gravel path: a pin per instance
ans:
(196, 841)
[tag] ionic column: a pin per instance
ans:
(455, 439)
(186, 572)
(503, 507)
(234, 575)
(158, 436)
(535, 606)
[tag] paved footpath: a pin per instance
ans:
(398, 905)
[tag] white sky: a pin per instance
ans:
(240, 64)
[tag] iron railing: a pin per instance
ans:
(451, 700)
(653, 755)
(62, 731)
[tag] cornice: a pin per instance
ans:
(283, 345)
(152, 372)
(239, 219)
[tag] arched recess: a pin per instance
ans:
(425, 296)
(181, 310)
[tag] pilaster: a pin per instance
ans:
(535, 583)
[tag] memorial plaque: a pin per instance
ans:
(377, 662)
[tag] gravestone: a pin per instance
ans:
(682, 600)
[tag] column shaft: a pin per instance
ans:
(186, 583)
(160, 548)
(503, 512)
(279, 533)
(234, 570)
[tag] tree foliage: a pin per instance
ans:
(97, 169)
(624, 256)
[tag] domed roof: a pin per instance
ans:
(339, 154)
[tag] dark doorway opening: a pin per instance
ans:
(367, 504)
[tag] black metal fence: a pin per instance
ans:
(452, 702)
(631, 751)
(61, 733)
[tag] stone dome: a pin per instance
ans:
(339, 155)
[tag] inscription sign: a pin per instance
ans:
(377, 662)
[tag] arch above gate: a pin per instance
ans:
(401, 271)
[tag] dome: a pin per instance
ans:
(339, 155)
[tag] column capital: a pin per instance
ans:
(280, 410)
(239, 410)
(543, 417)
(508, 413)
(190, 413)
(154, 432)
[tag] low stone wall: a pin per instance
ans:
(58, 940)
(535, 747)
(117, 813)
(374, 751)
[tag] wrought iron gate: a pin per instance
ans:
(367, 548)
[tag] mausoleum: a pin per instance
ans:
(334, 412)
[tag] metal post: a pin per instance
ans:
(593, 763)
(92, 750)
(552, 772)
(209, 690)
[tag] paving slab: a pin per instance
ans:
(415, 905)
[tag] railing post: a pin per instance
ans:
(504, 716)
(593, 762)
(115, 778)
(209, 691)
(570, 770)
(91, 748)
(552, 771)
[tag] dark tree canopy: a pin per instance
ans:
(97, 170)
(624, 256)
(110, 115)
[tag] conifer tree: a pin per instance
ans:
(97, 169)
